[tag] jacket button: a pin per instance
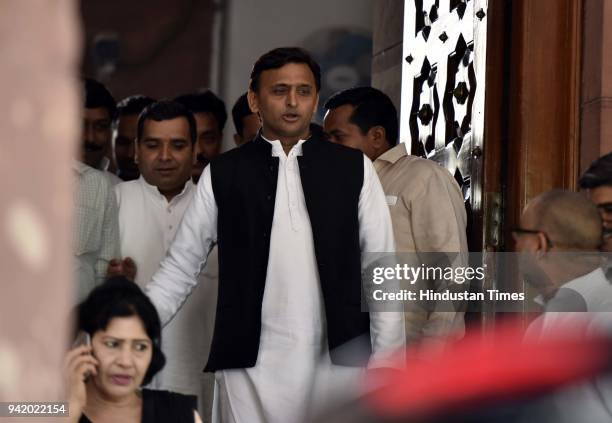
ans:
(269, 197)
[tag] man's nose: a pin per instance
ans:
(88, 132)
(165, 153)
(292, 98)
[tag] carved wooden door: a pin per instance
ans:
(443, 92)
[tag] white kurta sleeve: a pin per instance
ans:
(187, 255)
(376, 236)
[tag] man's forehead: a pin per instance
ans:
(170, 127)
(339, 115)
(601, 194)
(127, 120)
(205, 121)
(289, 74)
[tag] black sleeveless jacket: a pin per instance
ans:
(244, 185)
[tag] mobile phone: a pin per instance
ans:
(82, 338)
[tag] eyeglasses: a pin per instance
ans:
(521, 231)
(605, 207)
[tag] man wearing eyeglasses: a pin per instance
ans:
(558, 233)
(597, 182)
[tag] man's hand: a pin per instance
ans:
(125, 267)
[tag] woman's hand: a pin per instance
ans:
(78, 366)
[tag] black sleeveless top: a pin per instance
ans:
(164, 406)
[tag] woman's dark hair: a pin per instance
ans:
(120, 297)
(278, 58)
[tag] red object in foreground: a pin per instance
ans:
(477, 371)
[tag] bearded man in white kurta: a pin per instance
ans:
(150, 210)
(292, 214)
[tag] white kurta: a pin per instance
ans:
(147, 226)
(293, 368)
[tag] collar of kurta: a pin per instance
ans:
(308, 146)
(394, 154)
(277, 147)
(80, 167)
(152, 189)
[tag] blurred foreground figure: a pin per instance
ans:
(558, 240)
(597, 181)
(501, 379)
(559, 234)
(289, 269)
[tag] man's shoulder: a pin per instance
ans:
(93, 177)
(342, 150)
(235, 154)
(128, 187)
(420, 169)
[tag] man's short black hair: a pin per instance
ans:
(598, 174)
(372, 108)
(240, 110)
(120, 297)
(205, 102)
(166, 110)
(97, 95)
(278, 58)
(133, 105)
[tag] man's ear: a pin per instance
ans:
(543, 246)
(252, 99)
(136, 151)
(377, 137)
(194, 153)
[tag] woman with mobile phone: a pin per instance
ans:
(105, 378)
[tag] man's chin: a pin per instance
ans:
(295, 132)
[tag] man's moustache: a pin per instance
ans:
(607, 232)
(90, 146)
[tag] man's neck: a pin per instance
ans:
(380, 151)
(286, 142)
(170, 194)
